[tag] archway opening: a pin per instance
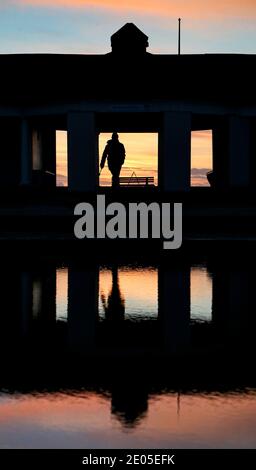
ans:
(61, 158)
(201, 157)
(141, 160)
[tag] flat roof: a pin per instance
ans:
(34, 79)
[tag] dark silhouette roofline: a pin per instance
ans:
(129, 39)
(35, 78)
(128, 72)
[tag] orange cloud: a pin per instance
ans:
(186, 8)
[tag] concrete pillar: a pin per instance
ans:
(239, 152)
(26, 153)
(82, 308)
(175, 152)
(83, 166)
(220, 154)
(231, 152)
(11, 301)
(238, 301)
(174, 307)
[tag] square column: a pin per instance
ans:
(83, 166)
(175, 152)
(239, 151)
(231, 152)
(26, 153)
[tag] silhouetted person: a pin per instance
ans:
(114, 307)
(115, 154)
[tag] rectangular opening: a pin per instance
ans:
(61, 158)
(141, 157)
(201, 157)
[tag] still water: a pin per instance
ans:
(155, 350)
(85, 420)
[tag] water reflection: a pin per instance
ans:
(172, 309)
(134, 340)
(82, 420)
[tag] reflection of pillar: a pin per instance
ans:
(238, 301)
(26, 153)
(174, 307)
(230, 301)
(26, 301)
(83, 168)
(175, 152)
(82, 308)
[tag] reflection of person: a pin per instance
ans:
(114, 307)
(115, 154)
(129, 402)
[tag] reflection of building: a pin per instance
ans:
(85, 95)
(32, 301)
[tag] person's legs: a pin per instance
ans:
(115, 177)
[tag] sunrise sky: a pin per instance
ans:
(85, 26)
(141, 156)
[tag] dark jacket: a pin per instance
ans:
(115, 154)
